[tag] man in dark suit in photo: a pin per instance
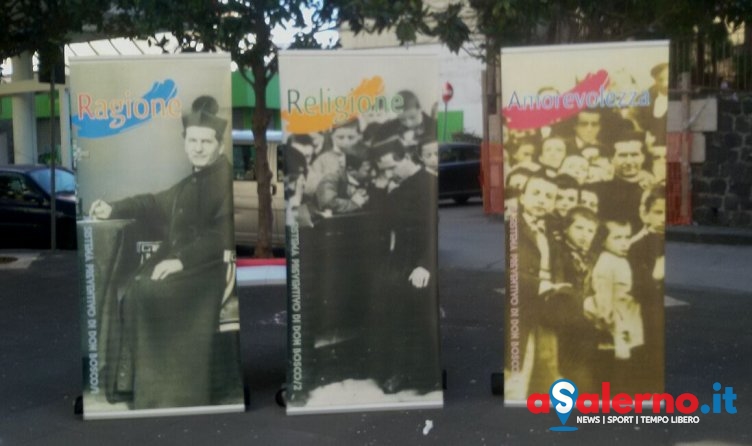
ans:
(171, 306)
(619, 198)
(406, 309)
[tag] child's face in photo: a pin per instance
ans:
(538, 197)
(617, 241)
(655, 218)
(553, 152)
(589, 199)
(517, 181)
(345, 137)
(581, 233)
(411, 118)
(566, 199)
(658, 155)
(523, 154)
(576, 167)
(429, 153)
(306, 150)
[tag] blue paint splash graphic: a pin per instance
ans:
(89, 127)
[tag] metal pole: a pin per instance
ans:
(685, 87)
(443, 137)
(53, 195)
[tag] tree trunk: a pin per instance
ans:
(260, 122)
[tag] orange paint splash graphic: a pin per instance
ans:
(328, 111)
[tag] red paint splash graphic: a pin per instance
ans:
(531, 117)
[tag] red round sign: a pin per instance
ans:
(447, 92)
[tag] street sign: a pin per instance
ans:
(447, 92)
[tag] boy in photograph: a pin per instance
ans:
(589, 198)
(646, 258)
(429, 155)
(522, 152)
(575, 166)
(341, 194)
(552, 153)
(534, 367)
(346, 138)
(567, 196)
(412, 124)
(572, 263)
(613, 307)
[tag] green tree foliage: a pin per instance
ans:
(30, 25)
(526, 22)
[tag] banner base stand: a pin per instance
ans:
(167, 412)
(78, 405)
(281, 396)
(497, 384)
(417, 405)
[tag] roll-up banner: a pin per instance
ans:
(361, 189)
(585, 173)
(155, 229)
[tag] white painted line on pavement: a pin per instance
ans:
(22, 259)
(669, 301)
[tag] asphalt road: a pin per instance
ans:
(708, 340)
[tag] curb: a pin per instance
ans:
(260, 272)
(714, 235)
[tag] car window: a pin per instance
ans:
(13, 188)
(450, 154)
(471, 153)
(244, 162)
(65, 182)
(447, 155)
(280, 162)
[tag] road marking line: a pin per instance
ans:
(669, 301)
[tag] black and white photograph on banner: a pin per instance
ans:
(157, 251)
(361, 191)
(585, 201)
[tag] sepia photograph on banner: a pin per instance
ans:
(155, 230)
(584, 136)
(361, 188)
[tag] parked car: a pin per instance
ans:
(25, 206)
(245, 187)
(459, 171)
